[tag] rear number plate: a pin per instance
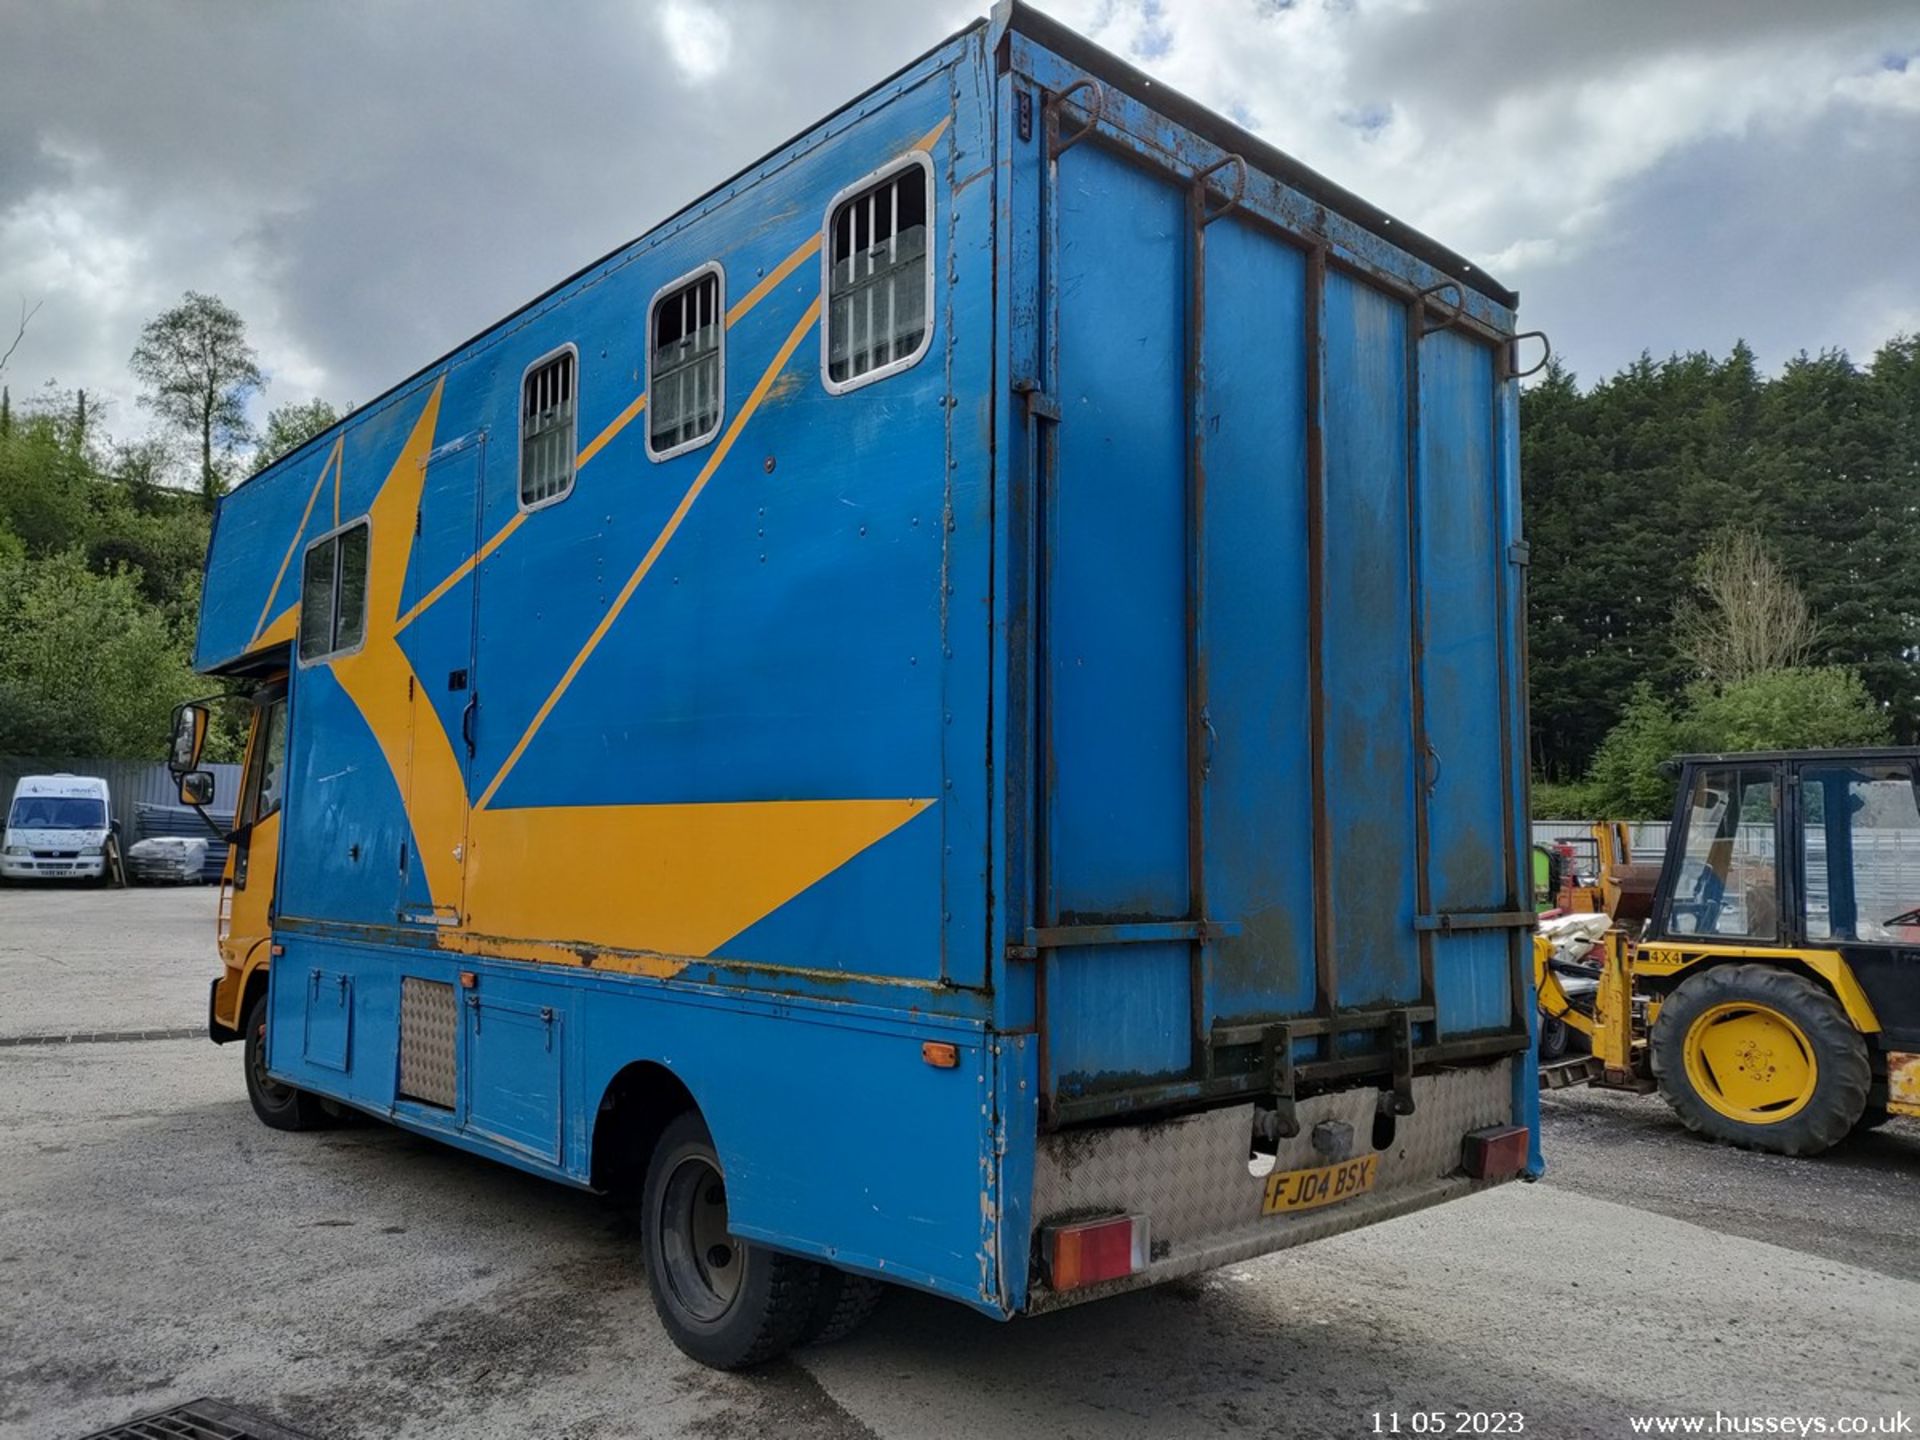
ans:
(1291, 1190)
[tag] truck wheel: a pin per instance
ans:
(281, 1107)
(727, 1302)
(841, 1305)
(1760, 1056)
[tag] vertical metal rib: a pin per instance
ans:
(1196, 507)
(1417, 643)
(1326, 967)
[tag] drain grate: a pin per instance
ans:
(200, 1420)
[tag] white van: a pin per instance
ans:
(57, 829)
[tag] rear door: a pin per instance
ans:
(1271, 685)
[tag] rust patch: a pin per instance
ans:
(1903, 1081)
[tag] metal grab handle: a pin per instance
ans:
(1454, 310)
(1096, 107)
(1433, 768)
(466, 723)
(1510, 355)
(1213, 739)
(1210, 214)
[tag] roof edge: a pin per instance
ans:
(1210, 125)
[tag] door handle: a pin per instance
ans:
(466, 723)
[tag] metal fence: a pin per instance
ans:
(1649, 837)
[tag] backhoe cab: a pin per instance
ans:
(1773, 993)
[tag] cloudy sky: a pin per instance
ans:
(371, 181)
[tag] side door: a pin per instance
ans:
(438, 609)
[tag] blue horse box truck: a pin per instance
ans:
(951, 715)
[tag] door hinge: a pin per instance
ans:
(1520, 553)
(1040, 405)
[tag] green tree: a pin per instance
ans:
(1817, 707)
(1627, 483)
(199, 371)
(87, 666)
(1626, 782)
(43, 486)
(1813, 708)
(291, 426)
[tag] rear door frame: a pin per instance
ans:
(1049, 104)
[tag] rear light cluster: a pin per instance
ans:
(1089, 1251)
(1495, 1153)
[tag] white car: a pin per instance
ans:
(58, 828)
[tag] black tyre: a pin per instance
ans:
(841, 1305)
(1555, 1037)
(1760, 1056)
(279, 1106)
(1873, 1117)
(726, 1302)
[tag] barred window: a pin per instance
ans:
(333, 593)
(686, 363)
(879, 278)
(547, 407)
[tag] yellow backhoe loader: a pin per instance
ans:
(1767, 982)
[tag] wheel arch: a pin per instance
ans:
(638, 1104)
(252, 980)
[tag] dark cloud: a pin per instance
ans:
(370, 181)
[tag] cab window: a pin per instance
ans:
(1860, 853)
(1727, 885)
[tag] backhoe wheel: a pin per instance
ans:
(727, 1302)
(1760, 1056)
(280, 1106)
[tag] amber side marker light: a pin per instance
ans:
(1089, 1251)
(1494, 1153)
(939, 1054)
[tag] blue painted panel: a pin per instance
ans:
(344, 820)
(512, 1072)
(1116, 656)
(1460, 556)
(328, 1032)
(1368, 647)
(1116, 548)
(1259, 793)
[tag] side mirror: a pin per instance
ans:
(196, 788)
(189, 739)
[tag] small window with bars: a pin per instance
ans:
(879, 264)
(548, 403)
(686, 363)
(333, 593)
